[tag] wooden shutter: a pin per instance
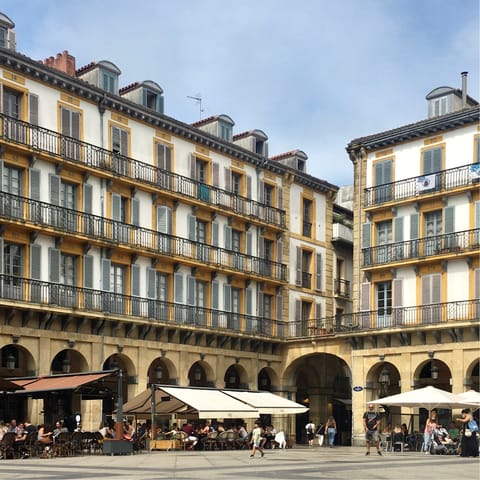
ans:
(280, 197)
(398, 226)
(34, 184)
(365, 297)
(249, 301)
(298, 310)
(215, 174)
(193, 164)
(1, 256)
(414, 226)
(151, 280)
(366, 235)
(318, 312)
(54, 189)
(116, 207)
(261, 192)
(33, 104)
(164, 216)
(87, 197)
(228, 237)
(279, 250)
(318, 272)
(191, 290)
(135, 212)
(227, 298)
(1, 174)
(449, 219)
(75, 131)
(54, 264)
(215, 233)
(432, 160)
(249, 186)
(106, 267)
(178, 285)
(88, 271)
(477, 214)
(397, 290)
(228, 179)
(278, 306)
(298, 279)
(135, 287)
(66, 124)
(192, 227)
(248, 242)
(215, 289)
(35, 261)
(260, 304)
(383, 172)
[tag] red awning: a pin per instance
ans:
(57, 382)
(8, 386)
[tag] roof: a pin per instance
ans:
(255, 133)
(412, 131)
(291, 153)
(7, 386)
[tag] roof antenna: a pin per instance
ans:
(198, 99)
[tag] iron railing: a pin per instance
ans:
(388, 318)
(442, 181)
(15, 207)
(342, 287)
(457, 242)
(68, 148)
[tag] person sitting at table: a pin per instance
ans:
(44, 436)
(128, 431)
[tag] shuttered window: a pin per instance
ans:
(88, 271)
(54, 265)
(432, 161)
(35, 261)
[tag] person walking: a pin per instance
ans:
(257, 440)
(310, 429)
(469, 441)
(371, 421)
(331, 428)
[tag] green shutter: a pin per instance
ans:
(366, 235)
(449, 219)
(34, 184)
(298, 279)
(87, 197)
(228, 237)
(414, 226)
(248, 301)
(227, 298)
(106, 267)
(116, 207)
(88, 271)
(35, 261)
(192, 227)
(318, 272)
(54, 261)
(33, 103)
(135, 270)
(248, 239)
(191, 283)
(398, 226)
(54, 189)
(178, 283)
(215, 288)
(151, 280)
(135, 212)
(75, 133)
(215, 231)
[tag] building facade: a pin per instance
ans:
(133, 241)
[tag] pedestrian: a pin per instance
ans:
(257, 440)
(310, 429)
(331, 428)
(469, 441)
(371, 421)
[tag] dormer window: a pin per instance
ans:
(153, 100)
(225, 131)
(109, 82)
(3, 37)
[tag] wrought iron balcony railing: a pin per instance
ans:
(417, 186)
(17, 289)
(63, 219)
(342, 287)
(457, 242)
(54, 144)
(388, 318)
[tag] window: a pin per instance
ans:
(68, 270)
(12, 262)
(431, 298)
(237, 183)
(12, 107)
(384, 241)
(120, 150)
(121, 226)
(432, 161)
(236, 248)
(11, 184)
(200, 174)
(3, 37)
(382, 181)
(109, 82)
(384, 303)
(432, 231)
(306, 269)
(307, 218)
(268, 193)
(225, 131)
(268, 306)
(70, 128)
(151, 99)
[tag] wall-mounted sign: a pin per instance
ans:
(357, 389)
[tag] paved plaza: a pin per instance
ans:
(342, 463)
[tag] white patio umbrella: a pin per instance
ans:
(470, 396)
(427, 397)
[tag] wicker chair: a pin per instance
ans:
(7, 445)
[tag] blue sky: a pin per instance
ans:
(312, 74)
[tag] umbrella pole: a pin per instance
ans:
(153, 428)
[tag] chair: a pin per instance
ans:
(182, 437)
(231, 440)
(222, 440)
(210, 442)
(7, 445)
(279, 440)
(62, 446)
(77, 443)
(31, 446)
(398, 442)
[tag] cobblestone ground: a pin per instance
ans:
(349, 463)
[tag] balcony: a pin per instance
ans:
(391, 318)
(342, 288)
(65, 220)
(416, 187)
(342, 233)
(16, 290)
(451, 243)
(39, 139)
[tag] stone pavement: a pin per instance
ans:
(300, 463)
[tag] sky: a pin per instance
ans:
(312, 74)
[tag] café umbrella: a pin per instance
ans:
(427, 397)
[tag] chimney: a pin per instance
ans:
(464, 89)
(63, 62)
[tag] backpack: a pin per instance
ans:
(321, 430)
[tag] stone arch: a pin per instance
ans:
(68, 360)
(167, 375)
(23, 362)
(268, 379)
(201, 374)
(472, 379)
(236, 377)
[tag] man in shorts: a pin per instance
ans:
(371, 421)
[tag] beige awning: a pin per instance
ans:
(190, 402)
(267, 402)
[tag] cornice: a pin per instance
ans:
(38, 71)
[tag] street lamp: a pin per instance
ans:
(197, 374)
(384, 380)
(158, 372)
(10, 363)
(66, 365)
(434, 371)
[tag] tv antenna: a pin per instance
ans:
(198, 99)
